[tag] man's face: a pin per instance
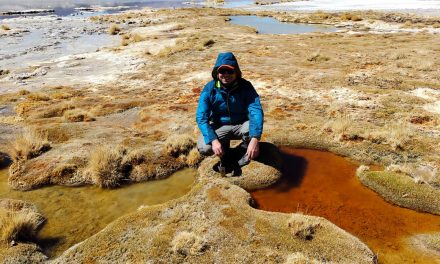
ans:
(227, 76)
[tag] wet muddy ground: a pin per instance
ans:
(324, 184)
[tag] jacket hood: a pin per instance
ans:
(226, 58)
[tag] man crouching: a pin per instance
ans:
(229, 108)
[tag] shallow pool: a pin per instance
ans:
(74, 214)
(324, 184)
(269, 25)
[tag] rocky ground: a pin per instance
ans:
(369, 92)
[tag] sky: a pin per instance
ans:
(312, 5)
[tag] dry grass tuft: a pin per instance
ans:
(321, 15)
(350, 16)
(53, 110)
(317, 57)
(5, 27)
(143, 172)
(28, 145)
(193, 158)
(4, 72)
(55, 133)
(78, 115)
(19, 224)
(208, 43)
(193, 42)
(114, 29)
(127, 39)
(361, 169)
(61, 95)
(187, 243)
(38, 97)
(177, 145)
(23, 92)
(105, 166)
(303, 228)
(339, 125)
(138, 156)
(398, 135)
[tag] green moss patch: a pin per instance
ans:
(401, 189)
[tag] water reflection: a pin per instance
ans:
(75, 214)
(269, 25)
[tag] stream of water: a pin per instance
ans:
(74, 214)
(269, 25)
(324, 184)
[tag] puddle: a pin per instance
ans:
(324, 184)
(74, 214)
(269, 25)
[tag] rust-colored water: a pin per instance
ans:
(74, 214)
(324, 184)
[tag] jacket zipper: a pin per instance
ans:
(227, 105)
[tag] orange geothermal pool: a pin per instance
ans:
(324, 184)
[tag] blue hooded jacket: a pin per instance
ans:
(219, 106)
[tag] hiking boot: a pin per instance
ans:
(244, 160)
(223, 167)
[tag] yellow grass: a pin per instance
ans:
(176, 145)
(303, 228)
(19, 225)
(53, 111)
(78, 115)
(5, 27)
(350, 16)
(28, 145)
(193, 158)
(193, 42)
(61, 95)
(23, 92)
(317, 57)
(114, 29)
(105, 166)
(398, 134)
(187, 243)
(138, 156)
(127, 39)
(38, 97)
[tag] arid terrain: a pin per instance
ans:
(369, 92)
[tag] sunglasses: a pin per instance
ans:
(228, 71)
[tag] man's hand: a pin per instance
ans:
(253, 149)
(217, 148)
